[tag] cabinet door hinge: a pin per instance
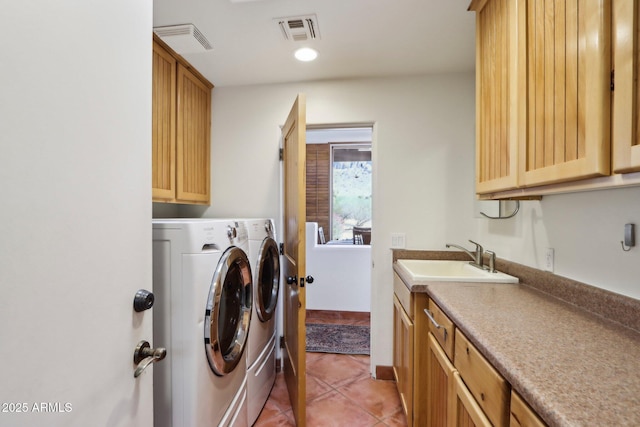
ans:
(281, 248)
(281, 341)
(281, 154)
(613, 84)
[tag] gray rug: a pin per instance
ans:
(340, 339)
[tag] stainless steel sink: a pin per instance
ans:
(420, 270)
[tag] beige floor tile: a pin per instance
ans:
(335, 410)
(379, 398)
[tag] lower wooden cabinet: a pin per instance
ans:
(442, 378)
(409, 355)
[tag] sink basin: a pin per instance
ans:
(420, 270)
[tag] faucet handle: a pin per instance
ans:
(492, 261)
(479, 257)
(478, 245)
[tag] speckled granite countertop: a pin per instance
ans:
(574, 367)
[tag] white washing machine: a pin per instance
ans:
(202, 284)
(264, 257)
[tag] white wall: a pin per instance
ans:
(341, 273)
(585, 229)
(75, 245)
(422, 153)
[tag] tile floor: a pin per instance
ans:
(340, 390)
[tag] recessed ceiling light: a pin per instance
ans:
(306, 54)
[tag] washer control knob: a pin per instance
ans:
(143, 300)
(232, 232)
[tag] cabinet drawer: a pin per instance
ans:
(490, 390)
(442, 328)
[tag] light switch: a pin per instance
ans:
(397, 240)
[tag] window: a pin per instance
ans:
(339, 181)
(351, 169)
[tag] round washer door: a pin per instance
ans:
(268, 279)
(228, 312)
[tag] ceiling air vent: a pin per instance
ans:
(299, 28)
(183, 38)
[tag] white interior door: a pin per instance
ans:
(75, 220)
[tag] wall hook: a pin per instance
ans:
(623, 248)
(511, 215)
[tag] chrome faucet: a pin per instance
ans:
(477, 257)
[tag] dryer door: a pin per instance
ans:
(226, 323)
(268, 279)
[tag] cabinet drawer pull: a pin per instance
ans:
(436, 324)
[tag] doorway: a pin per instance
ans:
(339, 173)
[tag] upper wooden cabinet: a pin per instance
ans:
(564, 68)
(544, 100)
(181, 129)
(626, 112)
(496, 90)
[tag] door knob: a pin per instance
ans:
(144, 355)
(309, 279)
(291, 280)
(143, 300)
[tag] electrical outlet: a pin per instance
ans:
(549, 260)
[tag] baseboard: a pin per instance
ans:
(384, 372)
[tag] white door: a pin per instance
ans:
(75, 212)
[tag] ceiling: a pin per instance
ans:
(358, 38)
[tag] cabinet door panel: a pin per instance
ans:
(522, 415)
(440, 387)
(626, 97)
(193, 138)
(566, 68)
(467, 411)
(403, 358)
(496, 87)
(163, 124)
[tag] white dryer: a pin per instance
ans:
(264, 257)
(202, 284)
